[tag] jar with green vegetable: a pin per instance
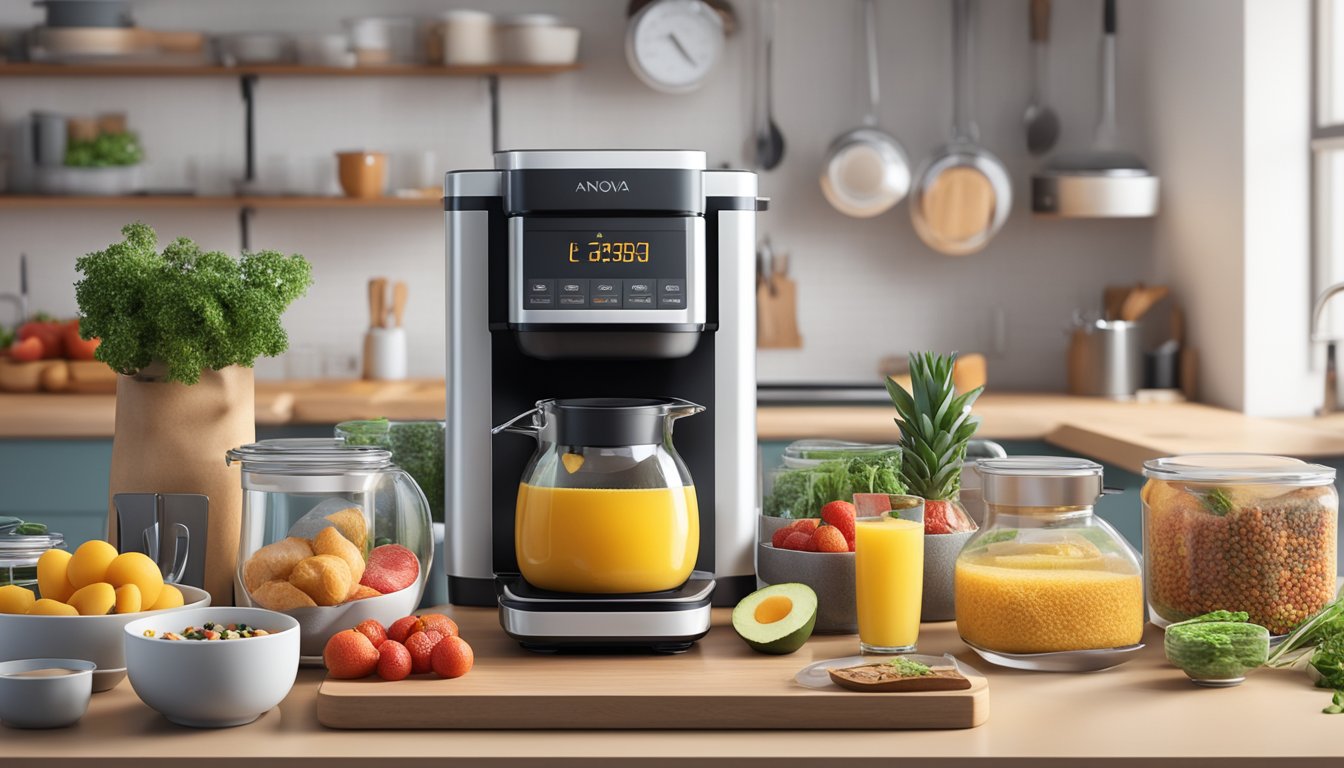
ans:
(21, 544)
(1217, 649)
(416, 446)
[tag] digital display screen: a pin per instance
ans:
(614, 248)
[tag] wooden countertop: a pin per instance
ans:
(1143, 713)
(1121, 434)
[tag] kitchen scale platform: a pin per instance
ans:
(664, 622)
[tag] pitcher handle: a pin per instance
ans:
(511, 425)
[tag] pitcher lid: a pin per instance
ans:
(308, 454)
(609, 422)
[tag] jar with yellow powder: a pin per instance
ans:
(1045, 575)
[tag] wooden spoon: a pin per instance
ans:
(377, 301)
(398, 301)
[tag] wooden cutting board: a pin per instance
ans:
(719, 684)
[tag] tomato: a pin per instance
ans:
(75, 347)
(50, 334)
(27, 350)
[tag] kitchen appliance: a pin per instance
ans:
(866, 170)
(962, 195)
(1103, 182)
(599, 274)
(146, 522)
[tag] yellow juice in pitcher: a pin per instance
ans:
(889, 583)
(606, 540)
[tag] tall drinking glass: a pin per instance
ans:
(889, 582)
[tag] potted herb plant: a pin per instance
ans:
(936, 425)
(183, 327)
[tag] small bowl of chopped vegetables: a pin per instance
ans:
(1217, 649)
(213, 667)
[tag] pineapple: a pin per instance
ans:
(936, 423)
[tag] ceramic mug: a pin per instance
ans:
(362, 174)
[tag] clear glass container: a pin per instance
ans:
(1239, 532)
(416, 446)
(1216, 654)
(295, 489)
(1045, 575)
(814, 472)
(605, 505)
(19, 554)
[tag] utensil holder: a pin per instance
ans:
(1105, 359)
(385, 354)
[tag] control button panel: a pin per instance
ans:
(604, 293)
(671, 294)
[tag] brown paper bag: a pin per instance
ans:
(171, 438)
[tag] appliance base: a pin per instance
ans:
(662, 622)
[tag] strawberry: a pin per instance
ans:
(799, 541)
(806, 524)
(828, 538)
(841, 515)
(27, 350)
(945, 517)
(777, 540)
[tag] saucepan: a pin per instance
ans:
(962, 195)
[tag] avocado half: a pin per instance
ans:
(777, 619)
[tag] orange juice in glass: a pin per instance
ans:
(889, 583)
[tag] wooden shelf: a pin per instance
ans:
(29, 69)
(258, 202)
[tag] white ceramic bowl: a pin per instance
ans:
(92, 638)
(318, 624)
(213, 683)
(539, 44)
(44, 702)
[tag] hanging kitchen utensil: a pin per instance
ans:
(1041, 122)
(777, 307)
(963, 194)
(769, 142)
(146, 522)
(866, 170)
(1103, 182)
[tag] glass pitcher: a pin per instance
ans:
(1045, 574)
(605, 505)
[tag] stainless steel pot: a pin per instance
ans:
(866, 170)
(963, 195)
(1105, 358)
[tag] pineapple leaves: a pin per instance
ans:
(936, 423)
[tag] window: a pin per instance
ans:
(1327, 149)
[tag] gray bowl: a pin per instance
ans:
(766, 526)
(54, 701)
(829, 574)
(940, 559)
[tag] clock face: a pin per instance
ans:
(673, 44)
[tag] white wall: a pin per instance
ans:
(868, 287)
(1229, 131)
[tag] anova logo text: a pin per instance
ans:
(602, 186)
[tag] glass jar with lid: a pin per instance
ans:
(1045, 575)
(19, 553)
(1240, 532)
(332, 534)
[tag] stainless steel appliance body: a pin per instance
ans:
(598, 274)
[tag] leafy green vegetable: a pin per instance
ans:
(1336, 704)
(1218, 501)
(909, 667)
(1217, 646)
(1319, 639)
(1237, 616)
(107, 150)
(185, 308)
(416, 447)
(802, 492)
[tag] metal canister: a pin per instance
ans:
(1105, 358)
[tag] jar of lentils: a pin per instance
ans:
(1239, 532)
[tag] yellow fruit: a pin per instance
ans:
(94, 600)
(52, 575)
(128, 599)
(136, 568)
(15, 599)
(170, 597)
(89, 563)
(48, 607)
